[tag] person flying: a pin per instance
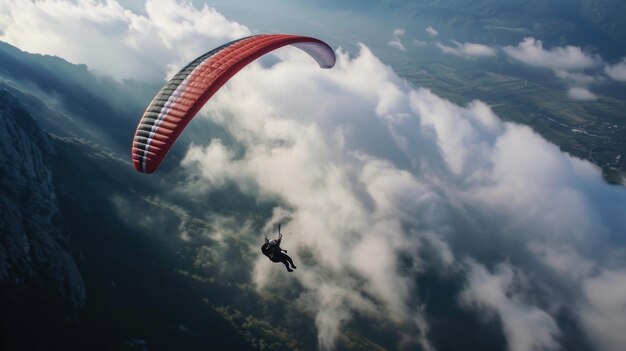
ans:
(271, 249)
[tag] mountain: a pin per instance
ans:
(75, 273)
(71, 101)
(38, 275)
(595, 23)
(32, 251)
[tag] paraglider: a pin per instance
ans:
(273, 251)
(185, 94)
(178, 101)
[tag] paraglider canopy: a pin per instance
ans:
(184, 95)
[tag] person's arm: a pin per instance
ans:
(280, 236)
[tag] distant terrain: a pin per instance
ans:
(592, 130)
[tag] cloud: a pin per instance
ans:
(398, 32)
(531, 52)
(604, 312)
(578, 78)
(568, 62)
(617, 71)
(457, 180)
(170, 33)
(578, 89)
(578, 83)
(431, 31)
(203, 157)
(395, 41)
(423, 327)
(583, 94)
(351, 205)
(467, 50)
(526, 327)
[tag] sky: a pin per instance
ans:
(370, 171)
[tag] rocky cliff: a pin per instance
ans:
(32, 247)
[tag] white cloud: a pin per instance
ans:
(531, 52)
(526, 327)
(352, 201)
(431, 31)
(568, 62)
(565, 260)
(114, 41)
(580, 93)
(204, 157)
(341, 183)
(617, 71)
(577, 78)
(423, 327)
(398, 32)
(468, 50)
(604, 311)
(395, 41)
(351, 205)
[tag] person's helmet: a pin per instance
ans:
(272, 242)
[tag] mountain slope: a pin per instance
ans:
(31, 250)
(40, 284)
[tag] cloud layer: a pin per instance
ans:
(386, 170)
(112, 40)
(577, 68)
(579, 93)
(526, 327)
(530, 51)
(396, 41)
(617, 71)
(468, 50)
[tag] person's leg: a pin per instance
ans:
(286, 264)
(289, 260)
